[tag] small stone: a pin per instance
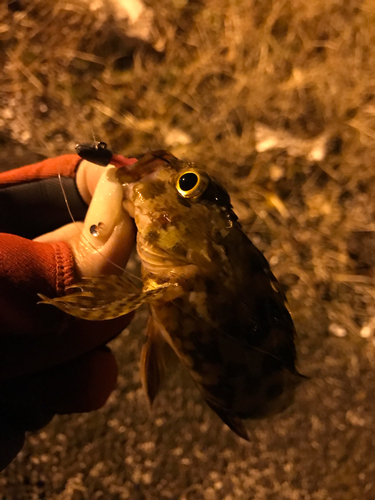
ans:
(8, 113)
(337, 330)
(274, 260)
(177, 137)
(25, 137)
(43, 108)
(366, 331)
(276, 173)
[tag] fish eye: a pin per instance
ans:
(191, 183)
(188, 181)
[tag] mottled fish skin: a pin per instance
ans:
(216, 301)
(230, 327)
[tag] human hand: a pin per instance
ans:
(65, 368)
(109, 251)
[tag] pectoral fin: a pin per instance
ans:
(152, 361)
(104, 297)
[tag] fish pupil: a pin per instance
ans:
(188, 181)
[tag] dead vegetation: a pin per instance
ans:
(276, 97)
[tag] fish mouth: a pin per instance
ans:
(156, 260)
(147, 165)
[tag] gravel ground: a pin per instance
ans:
(320, 448)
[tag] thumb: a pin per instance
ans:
(104, 242)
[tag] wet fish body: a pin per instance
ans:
(212, 295)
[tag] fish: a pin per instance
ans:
(211, 293)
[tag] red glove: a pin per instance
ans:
(50, 362)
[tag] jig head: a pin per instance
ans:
(98, 153)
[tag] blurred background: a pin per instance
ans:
(277, 98)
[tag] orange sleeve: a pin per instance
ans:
(26, 269)
(64, 165)
(33, 198)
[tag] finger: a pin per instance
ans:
(68, 232)
(88, 175)
(109, 256)
(28, 354)
(108, 235)
(104, 242)
(80, 385)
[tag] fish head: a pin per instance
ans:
(181, 214)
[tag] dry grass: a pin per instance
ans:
(306, 69)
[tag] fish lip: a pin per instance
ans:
(147, 164)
